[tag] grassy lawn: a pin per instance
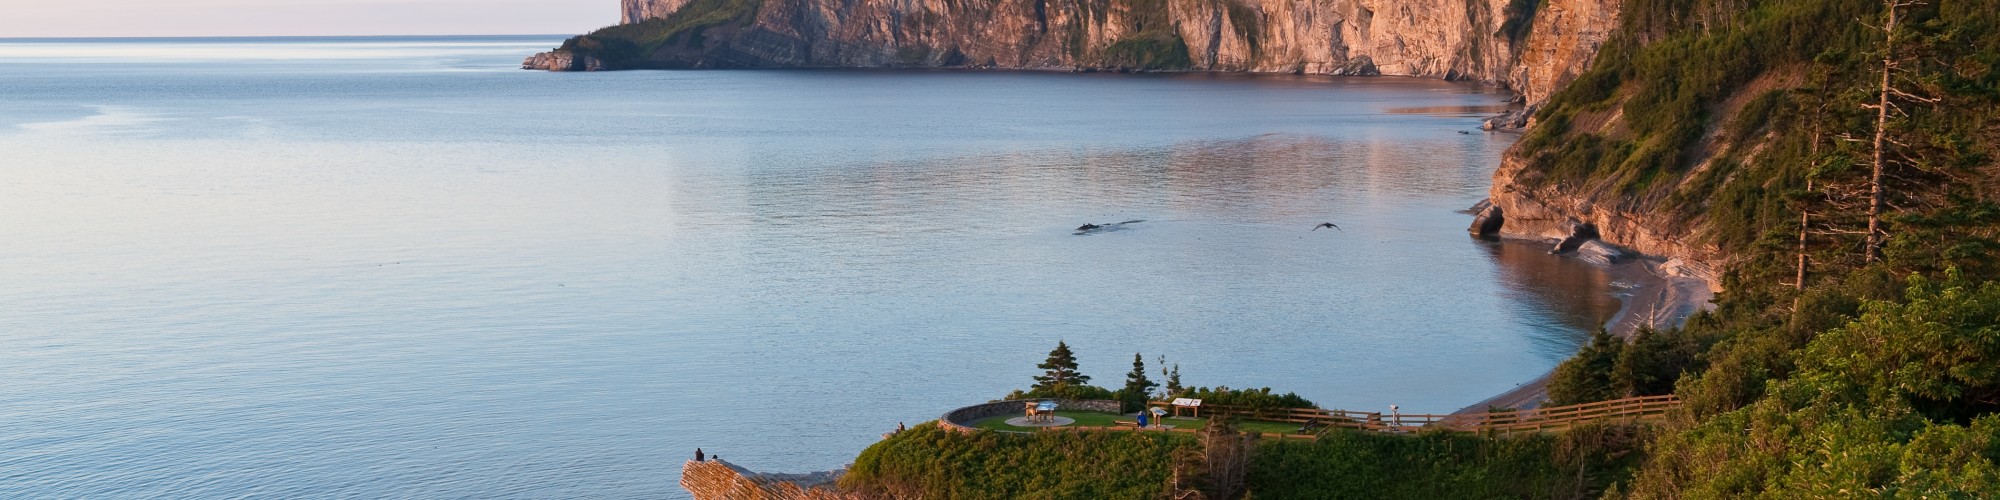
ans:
(1098, 419)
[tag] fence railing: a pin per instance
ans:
(1316, 422)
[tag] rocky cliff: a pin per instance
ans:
(1522, 207)
(1529, 45)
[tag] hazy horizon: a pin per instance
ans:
(251, 18)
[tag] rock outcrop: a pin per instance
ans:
(1529, 45)
(1563, 215)
(716, 479)
(562, 60)
(634, 11)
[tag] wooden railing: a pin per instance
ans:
(1315, 422)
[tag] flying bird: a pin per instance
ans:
(1328, 224)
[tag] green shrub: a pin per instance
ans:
(929, 462)
(1251, 398)
(1900, 401)
(1355, 464)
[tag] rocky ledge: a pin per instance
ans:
(558, 60)
(1598, 229)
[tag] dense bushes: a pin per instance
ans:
(1608, 368)
(929, 462)
(1900, 401)
(1252, 398)
(1353, 464)
(1834, 385)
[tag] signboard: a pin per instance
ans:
(1189, 402)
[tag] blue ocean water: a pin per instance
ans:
(401, 267)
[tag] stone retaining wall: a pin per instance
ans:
(958, 420)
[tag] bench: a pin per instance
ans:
(1125, 423)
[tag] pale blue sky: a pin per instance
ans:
(94, 18)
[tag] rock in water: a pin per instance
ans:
(1600, 253)
(562, 60)
(1359, 66)
(1487, 220)
(1577, 233)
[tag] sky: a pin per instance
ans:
(164, 18)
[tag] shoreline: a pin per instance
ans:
(1657, 299)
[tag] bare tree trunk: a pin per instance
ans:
(1805, 213)
(1875, 195)
(1805, 221)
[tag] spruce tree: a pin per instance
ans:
(1136, 382)
(1587, 377)
(1174, 381)
(1137, 386)
(1060, 370)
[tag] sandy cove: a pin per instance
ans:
(1657, 299)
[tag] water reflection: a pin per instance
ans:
(1554, 290)
(1479, 111)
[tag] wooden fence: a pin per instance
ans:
(1316, 422)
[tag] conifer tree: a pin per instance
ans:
(1174, 381)
(1137, 385)
(1137, 382)
(1060, 370)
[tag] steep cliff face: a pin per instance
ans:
(1530, 45)
(1590, 172)
(1561, 42)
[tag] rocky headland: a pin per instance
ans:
(1531, 46)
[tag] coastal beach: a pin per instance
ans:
(1649, 297)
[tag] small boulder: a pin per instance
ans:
(1577, 234)
(1601, 253)
(1359, 66)
(1487, 221)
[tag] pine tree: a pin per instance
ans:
(1174, 381)
(1588, 377)
(1137, 386)
(1060, 370)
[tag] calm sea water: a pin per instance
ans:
(403, 268)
